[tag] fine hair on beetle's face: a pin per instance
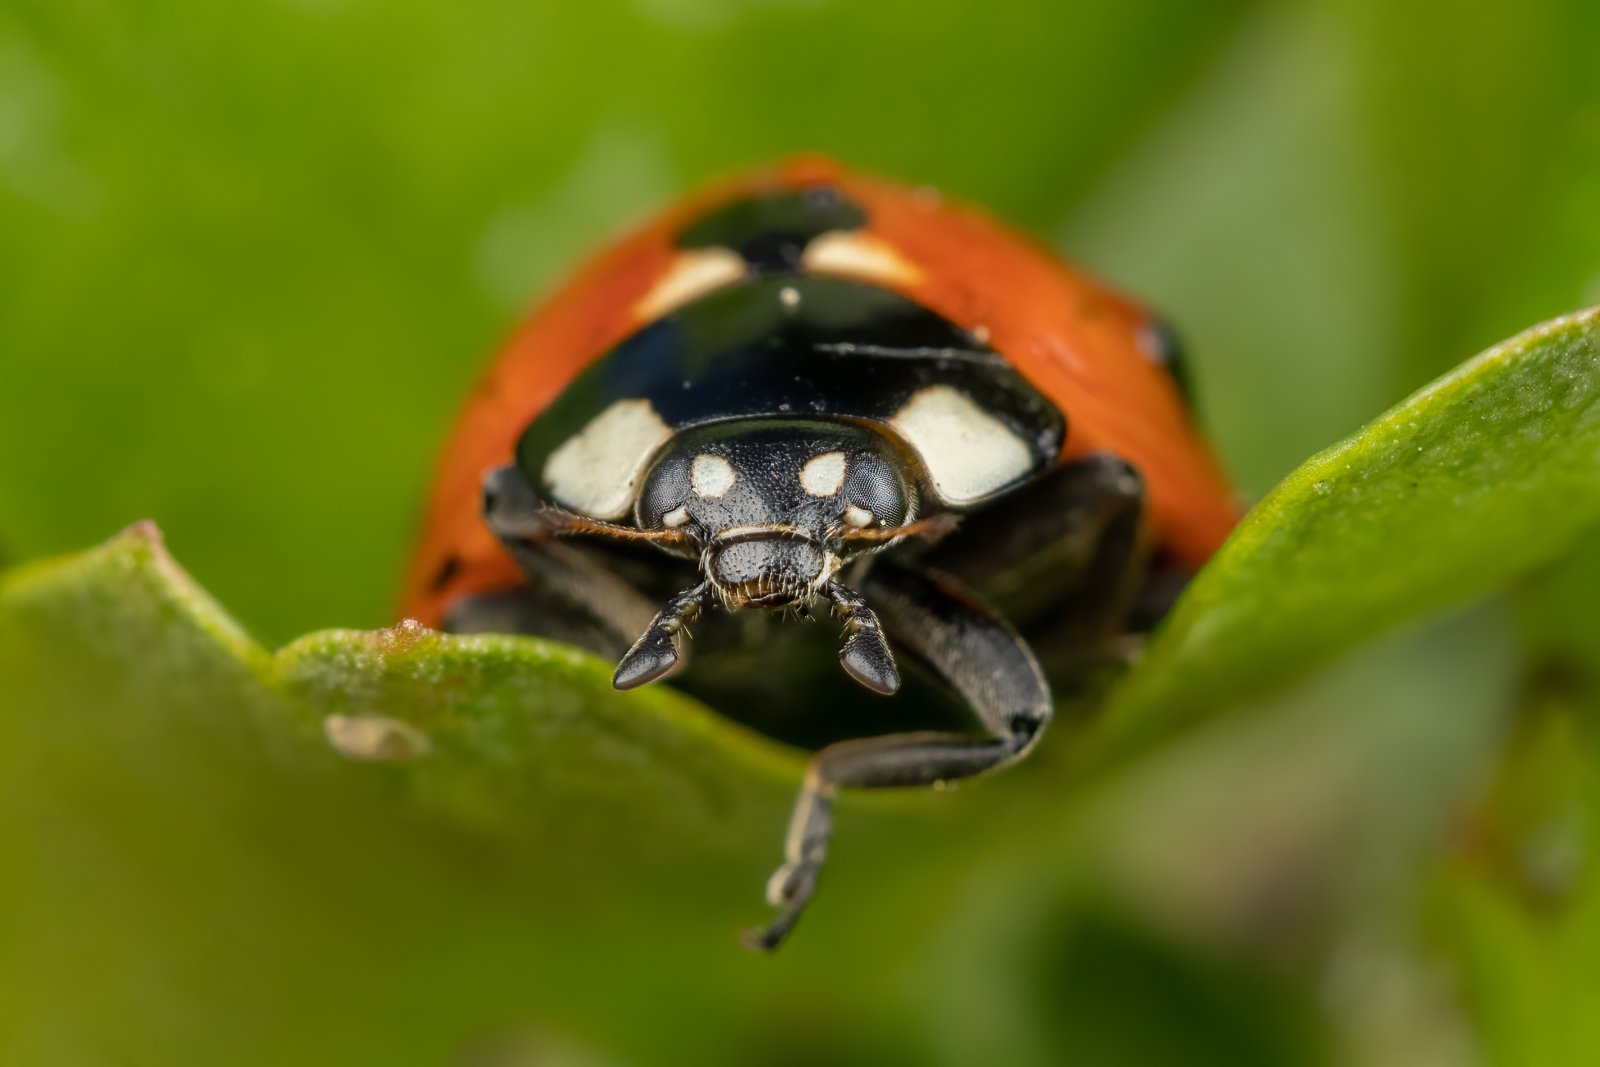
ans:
(770, 504)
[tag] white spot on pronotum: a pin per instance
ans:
(375, 738)
(968, 452)
(676, 517)
(851, 254)
(596, 471)
(696, 272)
(823, 474)
(710, 476)
(857, 516)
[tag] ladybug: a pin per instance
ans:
(808, 388)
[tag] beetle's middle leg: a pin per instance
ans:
(1063, 559)
(972, 651)
(1061, 551)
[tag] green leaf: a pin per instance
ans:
(195, 861)
(1481, 476)
(513, 734)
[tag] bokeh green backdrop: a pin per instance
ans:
(251, 254)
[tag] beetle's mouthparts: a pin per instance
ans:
(766, 567)
(764, 593)
(865, 655)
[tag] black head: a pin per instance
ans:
(776, 505)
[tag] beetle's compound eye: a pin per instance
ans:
(663, 501)
(875, 492)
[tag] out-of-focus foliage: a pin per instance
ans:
(249, 254)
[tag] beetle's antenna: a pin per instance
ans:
(932, 527)
(656, 651)
(562, 523)
(865, 655)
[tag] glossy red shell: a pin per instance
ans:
(1078, 341)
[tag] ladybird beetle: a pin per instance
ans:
(808, 387)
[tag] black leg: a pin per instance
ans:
(660, 648)
(865, 655)
(535, 613)
(1059, 552)
(569, 596)
(971, 650)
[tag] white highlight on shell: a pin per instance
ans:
(696, 272)
(596, 471)
(676, 517)
(852, 254)
(858, 516)
(823, 474)
(968, 452)
(710, 476)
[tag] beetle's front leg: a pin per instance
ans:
(561, 579)
(971, 650)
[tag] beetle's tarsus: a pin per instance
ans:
(656, 652)
(652, 656)
(791, 888)
(792, 885)
(865, 656)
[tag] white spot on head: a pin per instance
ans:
(596, 471)
(710, 476)
(858, 516)
(696, 272)
(968, 452)
(676, 517)
(850, 254)
(823, 474)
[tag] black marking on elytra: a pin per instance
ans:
(844, 350)
(1167, 349)
(448, 570)
(771, 232)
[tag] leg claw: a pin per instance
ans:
(789, 888)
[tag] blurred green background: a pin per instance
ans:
(251, 254)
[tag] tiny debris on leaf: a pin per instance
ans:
(375, 738)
